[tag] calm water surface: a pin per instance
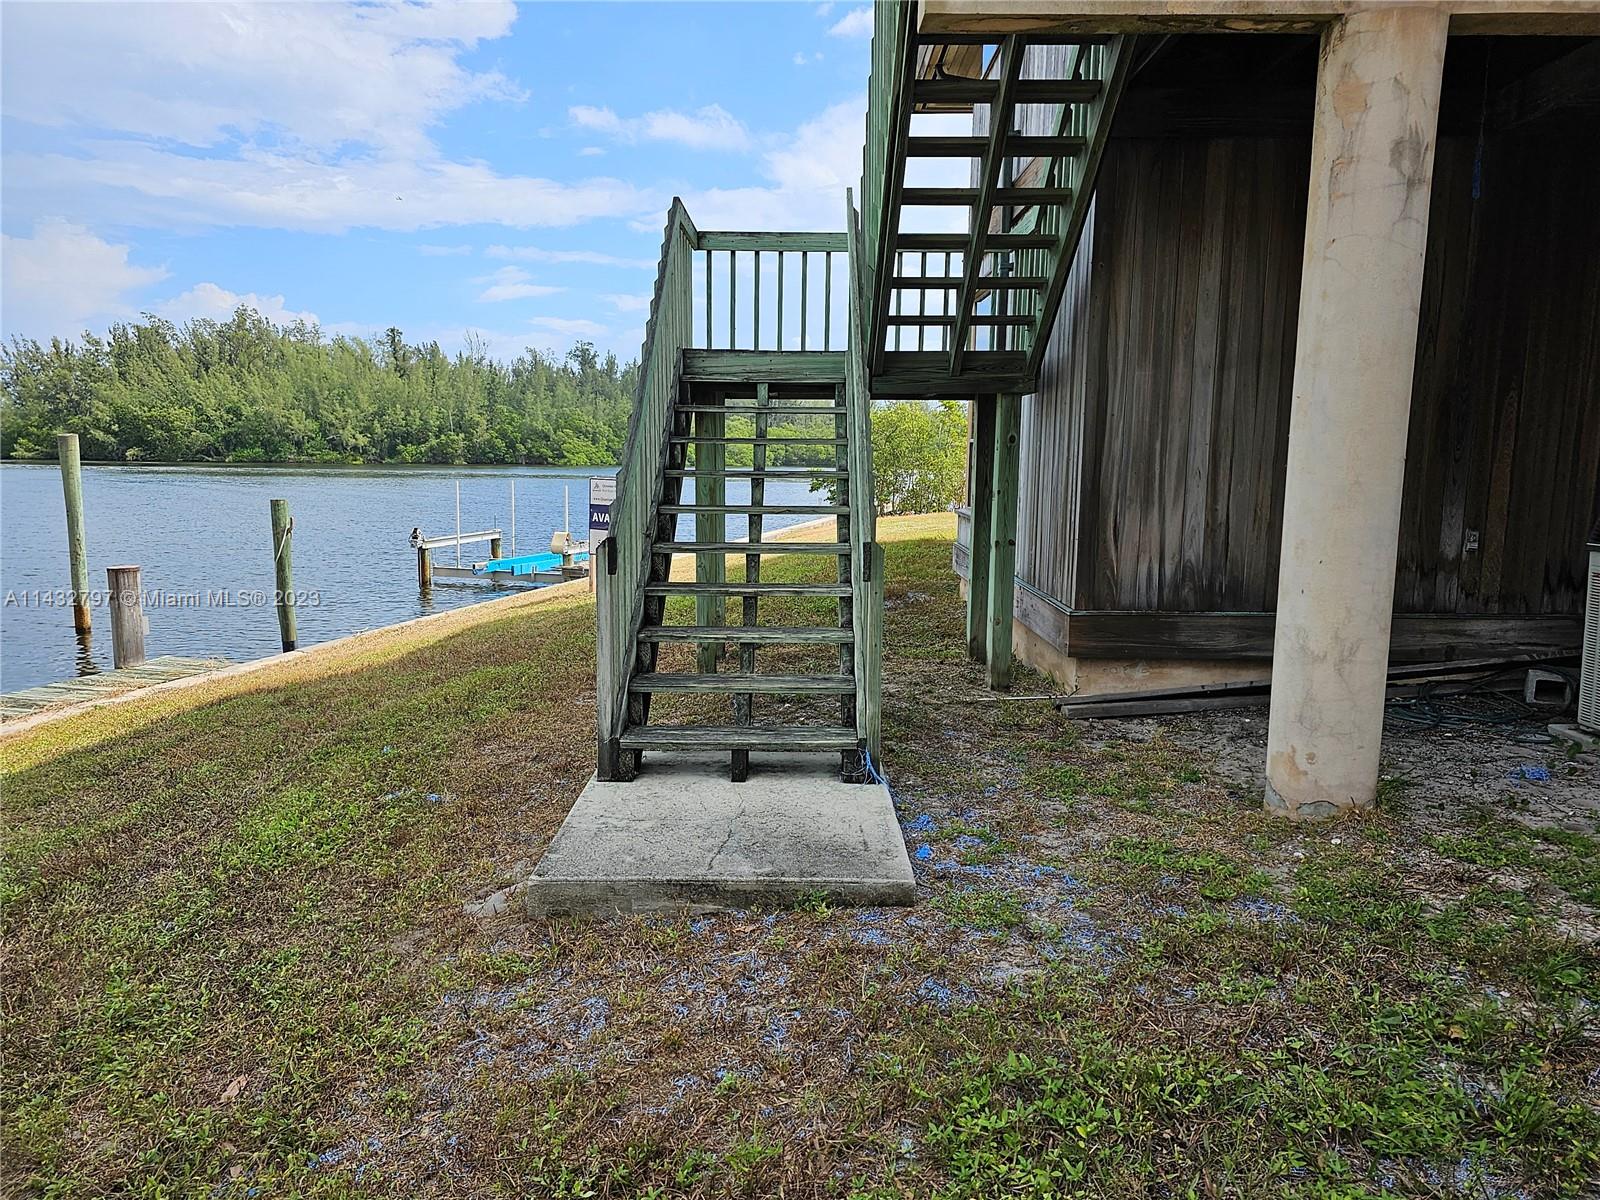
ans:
(200, 532)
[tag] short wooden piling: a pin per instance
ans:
(494, 548)
(127, 616)
(282, 545)
(77, 554)
(424, 569)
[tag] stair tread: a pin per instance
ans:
(950, 319)
(742, 681)
(977, 145)
(758, 510)
(739, 737)
(1026, 91)
(952, 283)
(760, 441)
(750, 473)
(957, 242)
(767, 634)
(747, 589)
(753, 547)
(772, 410)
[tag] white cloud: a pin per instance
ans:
(857, 23)
(591, 152)
(709, 128)
(315, 117)
(802, 59)
(570, 327)
(430, 251)
(65, 278)
(208, 301)
(314, 75)
(627, 302)
(591, 257)
(808, 174)
(512, 283)
(144, 184)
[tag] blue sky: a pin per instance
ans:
(504, 170)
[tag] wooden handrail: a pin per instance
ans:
(866, 555)
(620, 602)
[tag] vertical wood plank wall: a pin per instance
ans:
(1153, 453)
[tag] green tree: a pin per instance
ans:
(244, 390)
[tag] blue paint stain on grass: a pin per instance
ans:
(944, 995)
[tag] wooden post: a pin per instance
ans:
(77, 555)
(710, 488)
(282, 544)
(424, 569)
(1003, 542)
(494, 548)
(127, 617)
(605, 663)
(980, 485)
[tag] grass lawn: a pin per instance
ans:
(237, 962)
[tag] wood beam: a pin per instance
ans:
(1003, 539)
(1032, 17)
(1569, 86)
(980, 485)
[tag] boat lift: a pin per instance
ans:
(566, 559)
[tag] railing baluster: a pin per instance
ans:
(733, 300)
(827, 301)
(708, 299)
(805, 257)
(779, 344)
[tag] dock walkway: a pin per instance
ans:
(105, 684)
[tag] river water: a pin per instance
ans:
(203, 536)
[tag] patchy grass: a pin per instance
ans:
(237, 961)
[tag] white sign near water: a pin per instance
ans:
(602, 491)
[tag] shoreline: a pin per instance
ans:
(443, 622)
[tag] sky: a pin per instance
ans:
(449, 169)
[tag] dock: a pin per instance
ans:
(105, 684)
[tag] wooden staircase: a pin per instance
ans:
(776, 653)
(969, 313)
(784, 653)
(758, 708)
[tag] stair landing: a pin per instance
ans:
(682, 837)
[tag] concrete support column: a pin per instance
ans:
(1366, 235)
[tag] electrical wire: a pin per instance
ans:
(1479, 705)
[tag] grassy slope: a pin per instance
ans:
(236, 959)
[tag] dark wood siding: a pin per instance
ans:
(1154, 451)
(1504, 444)
(1173, 362)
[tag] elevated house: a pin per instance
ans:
(1280, 323)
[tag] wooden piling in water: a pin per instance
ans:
(127, 616)
(424, 569)
(77, 553)
(282, 544)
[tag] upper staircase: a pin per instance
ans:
(713, 635)
(970, 311)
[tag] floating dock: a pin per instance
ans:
(105, 684)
